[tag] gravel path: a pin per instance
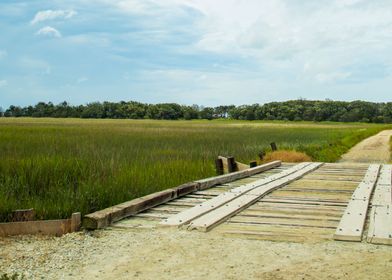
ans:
(175, 254)
(374, 149)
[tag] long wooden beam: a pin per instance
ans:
(352, 223)
(380, 227)
(192, 213)
(105, 217)
(220, 214)
(46, 227)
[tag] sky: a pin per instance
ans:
(206, 52)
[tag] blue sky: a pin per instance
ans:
(207, 52)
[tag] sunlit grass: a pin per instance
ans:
(59, 166)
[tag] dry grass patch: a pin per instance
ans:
(287, 156)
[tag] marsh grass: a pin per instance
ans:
(59, 166)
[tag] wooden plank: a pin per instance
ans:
(105, 217)
(288, 216)
(201, 209)
(380, 228)
(210, 182)
(220, 214)
(352, 224)
(47, 227)
(293, 213)
(285, 221)
(383, 193)
(302, 202)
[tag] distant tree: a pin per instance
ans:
(293, 110)
(207, 113)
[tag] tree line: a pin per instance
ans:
(293, 110)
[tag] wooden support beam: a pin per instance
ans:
(47, 227)
(219, 166)
(220, 214)
(352, 223)
(227, 178)
(380, 227)
(231, 165)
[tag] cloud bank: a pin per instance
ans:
(46, 15)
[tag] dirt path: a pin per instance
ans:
(374, 149)
(176, 254)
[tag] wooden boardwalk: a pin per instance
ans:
(309, 207)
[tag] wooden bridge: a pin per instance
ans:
(306, 202)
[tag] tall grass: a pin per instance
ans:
(62, 166)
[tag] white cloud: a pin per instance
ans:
(48, 31)
(286, 34)
(52, 14)
(3, 83)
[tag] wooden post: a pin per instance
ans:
(253, 164)
(219, 166)
(76, 221)
(274, 147)
(261, 155)
(23, 215)
(231, 165)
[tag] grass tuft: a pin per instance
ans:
(287, 156)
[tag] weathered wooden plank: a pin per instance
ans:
(380, 228)
(47, 227)
(201, 209)
(352, 224)
(304, 202)
(293, 213)
(288, 216)
(210, 182)
(285, 221)
(300, 207)
(383, 193)
(105, 217)
(220, 214)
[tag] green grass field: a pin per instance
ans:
(59, 166)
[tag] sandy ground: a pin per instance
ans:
(374, 149)
(177, 254)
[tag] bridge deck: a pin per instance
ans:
(306, 210)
